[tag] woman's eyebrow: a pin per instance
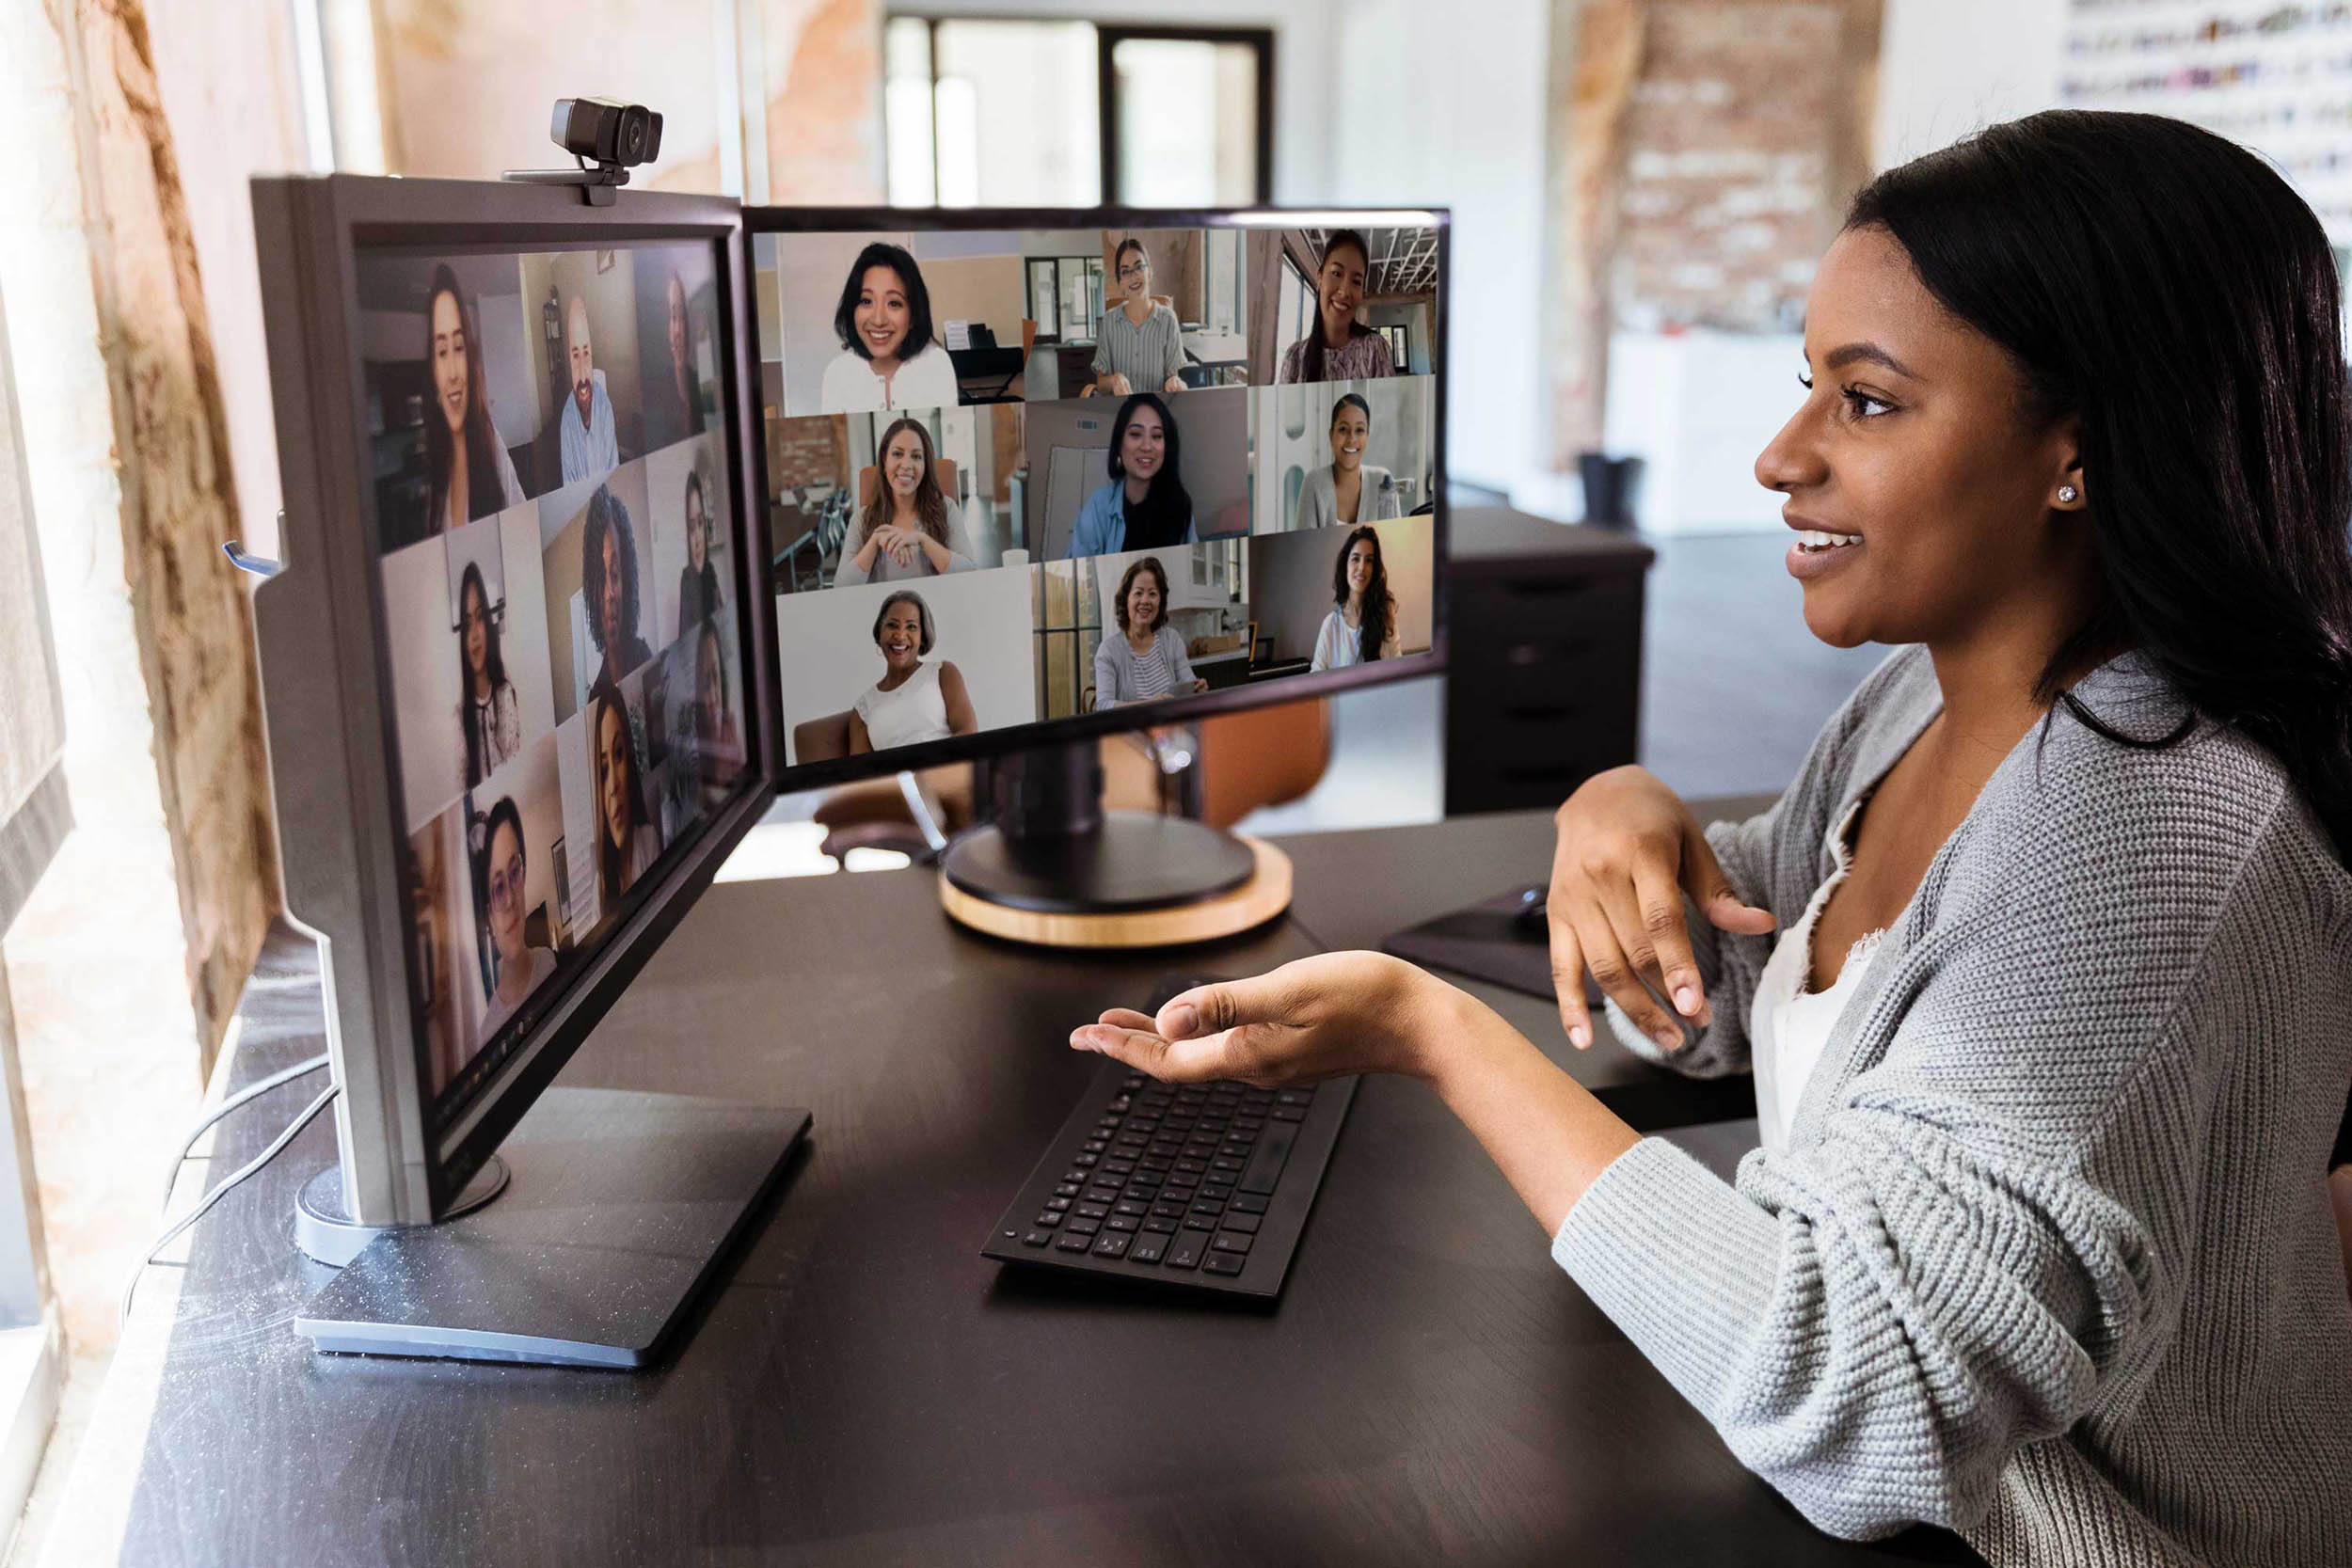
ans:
(1838, 359)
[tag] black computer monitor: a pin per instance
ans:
(605, 524)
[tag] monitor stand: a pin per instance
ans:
(613, 1209)
(1049, 867)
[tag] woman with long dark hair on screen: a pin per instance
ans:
(915, 701)
(608, 582)
(1145, 506)
(626, 840)
(469, 473)
(1148, 659)
(1349, 490)
(1363, 624)
(1138, 346)
(910, 528)
(516, 967)
(1338, 347)
(698, 579)
(489, 712)
(718, 739)
(887, 360)
(2043, 963)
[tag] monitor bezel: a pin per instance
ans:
(400, 1167)
(1165, 711)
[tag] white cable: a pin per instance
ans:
(251, 1091)
(277, 1144)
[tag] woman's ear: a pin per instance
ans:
(2068, 491)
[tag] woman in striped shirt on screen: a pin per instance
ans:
(1147, 660)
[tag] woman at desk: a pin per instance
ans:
(1348, 491)
(1145, 506)
(1363, 624)
(1138, 346)
(887, 358)
(489, 713)
(626, 841)
(910, 528)
(516, 967)
(1147, 660)
(1338, 347)
(469, 474)
(2041, 964)
(914, 701)
(698, 579)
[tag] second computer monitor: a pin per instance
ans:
(1022, 477)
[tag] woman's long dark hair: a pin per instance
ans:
(931, 502)
(1311, 369)
(484, 495)
(2166, 287)
(493, 665)
(1166, 509)
(612, 858)
(1376, 615)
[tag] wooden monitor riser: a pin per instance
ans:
(1266, 894)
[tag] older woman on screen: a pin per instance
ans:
(1145, 506)
(887, 358)
(468, 472)
(1338, 347)
(516, 967)
(914, 701)
(910, 528)
(1363, 624)
(1138, 346)
(1349, 490)
(1147, 660)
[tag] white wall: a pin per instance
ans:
(1946, 68)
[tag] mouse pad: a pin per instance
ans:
(1485, 943)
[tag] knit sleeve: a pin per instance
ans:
(1988, 1232)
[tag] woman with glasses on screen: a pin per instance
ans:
(887, 358)
(1145, 506)
(1138, 346)
(1349, 490)
(698, 579)
(469, 473)
(1338, 347)
(516, 967)
(910, 528)
(914, 701)
(1148, 659)
(1363, 624)
(489, 713)
(2042, 963)
(626, 841)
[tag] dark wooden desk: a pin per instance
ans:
(866, 1389)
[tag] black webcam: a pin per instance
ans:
(608, 138)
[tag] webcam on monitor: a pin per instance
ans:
(608, 137)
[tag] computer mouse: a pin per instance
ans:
(1528, 914)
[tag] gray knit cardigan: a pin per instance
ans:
(2049, 1259)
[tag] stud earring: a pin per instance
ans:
(2067, 494)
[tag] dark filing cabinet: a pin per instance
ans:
(1544, 673)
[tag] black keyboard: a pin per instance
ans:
(1201, 1185)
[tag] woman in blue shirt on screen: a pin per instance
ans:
(1144, 507)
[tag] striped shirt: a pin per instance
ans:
(1146, 356)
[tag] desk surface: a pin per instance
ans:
(865, 1388)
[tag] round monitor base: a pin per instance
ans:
(1264, 893)
(325, 1232)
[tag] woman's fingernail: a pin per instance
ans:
(1579, 1036)
(1670, 1039)
(1182, 1022)
(1686, 1000)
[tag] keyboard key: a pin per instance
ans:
(1168, 1210)
(1068, 1189)
(1073, 1176)
(1093, 1211)
(1083, 1228)
(1289, 1113)
(1128, 1206)
(1266, 1166)
(1048, 1220)
(1111, 1245)
(1215, 1191)
(1199, 1222)
(1057, 1204)
(1224, 1262)
(1231, 1241)
(1246, 1224)
(1148, 1249)
(1208, 1210)
(1163, 1224)
(1119, 1168)
(1295, 1097)
(1084, 1162)
(1185, 1250)
(1119, 1222)
(1037, 1238)
(1095, 1146)
(1249, 1203)
(1072, 1241)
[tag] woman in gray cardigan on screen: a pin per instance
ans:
(1349, 490)
(2037, 1246)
